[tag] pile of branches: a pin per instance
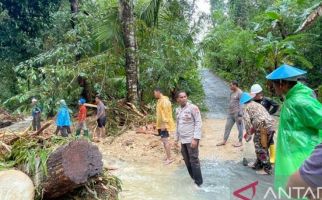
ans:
(123, 116)
(6, 119)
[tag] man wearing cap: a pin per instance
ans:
(82, 114)
(271, 107)
(300, 122)
(258, 122)
(36, 115)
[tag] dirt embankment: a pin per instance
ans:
(147, 148)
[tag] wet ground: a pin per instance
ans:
(145, 177)
(217, 93)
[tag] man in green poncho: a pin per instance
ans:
(300, 122)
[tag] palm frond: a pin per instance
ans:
(150, 14)
(109, 30)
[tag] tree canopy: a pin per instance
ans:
(251, 38)
(46, 56)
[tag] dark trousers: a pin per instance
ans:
(64, 130)
(36, 122)
(192, 162)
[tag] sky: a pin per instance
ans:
(203, 6)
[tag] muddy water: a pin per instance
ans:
(154, 181)
(221, 179)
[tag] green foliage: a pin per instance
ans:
(26, 152)
(57, 61)
(107, 186)
(168, 58)
(31, 156)
(257, 37)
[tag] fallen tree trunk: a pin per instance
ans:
(70, 166)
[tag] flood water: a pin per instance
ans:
(154, 181)
(221, 179)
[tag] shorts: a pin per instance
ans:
(163, 134)
(101, 122)
(311, 170)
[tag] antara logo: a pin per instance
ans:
(238, 193)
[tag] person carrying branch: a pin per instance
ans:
(259, 123)
(100, 119)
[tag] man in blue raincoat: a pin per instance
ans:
(63, 119)
(300, 122)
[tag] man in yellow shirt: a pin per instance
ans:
(165, 123)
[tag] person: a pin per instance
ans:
(36, 115)
(63, 119)
(271, 107)
(309, 176)
(100, 119)
(259, 123)
(300, 121)
(82, 114)
(164, 122)
(234, 116)
(188, 132)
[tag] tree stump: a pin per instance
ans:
(70, 166)
(15, 185)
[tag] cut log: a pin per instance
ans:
(70, 166)
(15, 185)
